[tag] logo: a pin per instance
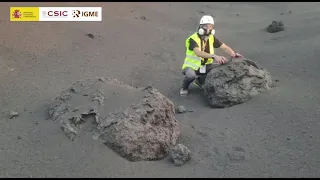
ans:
(69, 13)
(24, 13)
(78, 13)
(16, 14)
(55, 13)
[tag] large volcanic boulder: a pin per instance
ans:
(235, 82)
(137, 123)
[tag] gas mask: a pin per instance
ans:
(205, 32)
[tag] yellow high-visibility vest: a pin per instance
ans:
(192, 60)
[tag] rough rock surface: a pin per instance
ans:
(137, 123)
(275, 26)
(180, 154)
(235, 82)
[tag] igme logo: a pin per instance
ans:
(78, 13)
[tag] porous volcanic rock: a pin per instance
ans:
(139, 124)
(235, 82)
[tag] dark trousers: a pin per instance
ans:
(190, 75)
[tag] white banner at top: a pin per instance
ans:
(70, 14)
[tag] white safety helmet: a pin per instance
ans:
(206, 19)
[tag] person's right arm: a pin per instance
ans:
(194, 46)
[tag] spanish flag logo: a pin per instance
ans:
(24, 13)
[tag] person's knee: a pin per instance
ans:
(190, 74)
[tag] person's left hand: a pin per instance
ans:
(237, 55)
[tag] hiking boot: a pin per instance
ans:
(183, 92)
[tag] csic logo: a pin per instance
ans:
(77, 13)
(16, 14)
(55, 13)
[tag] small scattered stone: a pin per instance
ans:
(65, 97)
(190, 111)
(36, 122)
(288, 139)
(74, 90)
(181, 109)
(25, 109)
(238, 14)
(143, 17)
(76, 109)
(19, 137)
(290, 11)
(95, 136)
(85, 95)
(277, 80)
(275, 26)
(180, 154)
(201, 12)
(13, 114)
(101, 79)
(282, 14)
(90, 35)
(69, 131)
(115, 92)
